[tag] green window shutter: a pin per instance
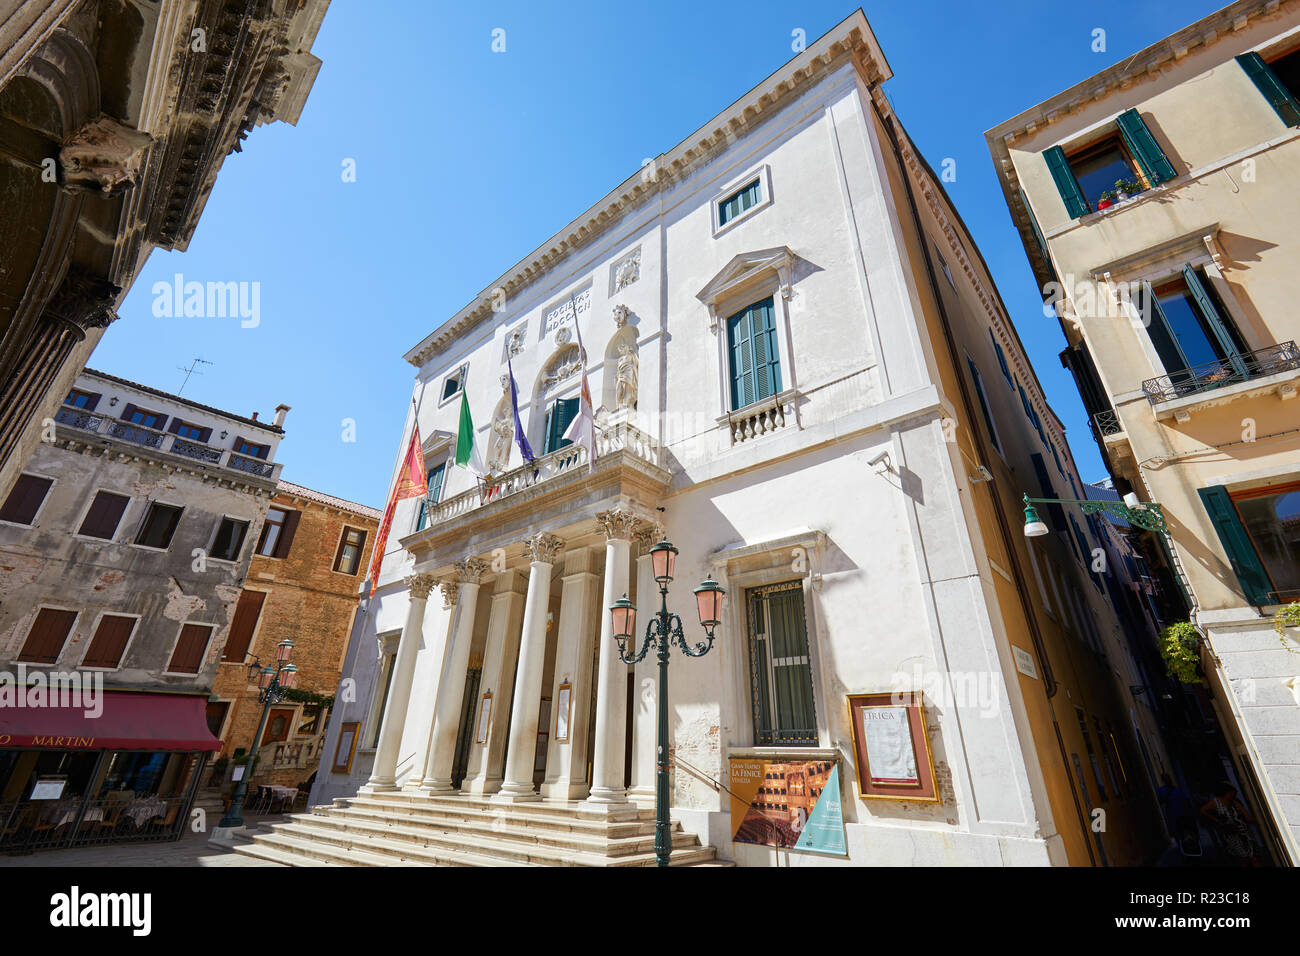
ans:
(557, 422)
(739, 334)
(1217, 322)
(1144, 147)
(1162, 334)
(1033, 224)
(1066, 184)
(1236, 542)
(754, 354)
(1279, 97)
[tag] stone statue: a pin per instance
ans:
(626, 382)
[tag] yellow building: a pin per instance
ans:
(1158, 207)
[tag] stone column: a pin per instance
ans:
(644, 702)
(384, 775)
(486, 761)
(521, 753)
(451, 681)
(566, 760)
(611, 683)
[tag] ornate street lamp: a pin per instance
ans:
(273, 684)
(1149, 516)
(663, 629)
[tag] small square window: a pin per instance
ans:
(351, 546)
(158, 526)
(79, 399)
(250, 449)
(143, 417)
(1287, 70)
(742, 200)
(454, 383)
(229, 540)
(1098, 168)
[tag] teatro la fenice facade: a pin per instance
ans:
(774, 398)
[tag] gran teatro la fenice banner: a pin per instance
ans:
(790, 804)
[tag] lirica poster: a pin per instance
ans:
(791, 804)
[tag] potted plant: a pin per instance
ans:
(1124, 188)
(1106, 200)
(1287, 616)
(1180, 646)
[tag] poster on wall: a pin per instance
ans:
(891, 747)
(791, 804)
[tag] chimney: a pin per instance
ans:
(254, 416)
(280, 411)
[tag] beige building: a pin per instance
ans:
(1157, 203)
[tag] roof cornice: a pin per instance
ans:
(849, 41)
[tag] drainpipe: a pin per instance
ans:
(1008, 541)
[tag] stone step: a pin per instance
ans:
(305, 850)
(449, 848)
(540, 808)
(458, 815)
(418, 829)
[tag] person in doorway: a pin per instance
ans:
(1177, 805)
(1232, 821)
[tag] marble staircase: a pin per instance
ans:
(418, 829)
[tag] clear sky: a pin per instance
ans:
(467, 159)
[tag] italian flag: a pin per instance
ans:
(467, 453)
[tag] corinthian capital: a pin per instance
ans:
(471, 570)
(543, 547)
(419, 585)
(647, 536)
(450, 591)
(618, 523)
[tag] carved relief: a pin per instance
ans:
(647, 536)
(471, 570)
(562, 335)
(567, 311)
(618, 523)
(84, 300)
(565, 365)
(419, 585)
(103, 156)
(620, 315)
(626, 383)
(544, 547)
(450, 592)
(627, 270)
(514, 344)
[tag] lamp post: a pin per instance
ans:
(662, 630)
(273, 684)
(1149, 516)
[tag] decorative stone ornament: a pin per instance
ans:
(103, 156)
(627, 270)
(620, 315)
(544, 547)
(419, 585)
(562, 335)
(618, 523)
(471, 570)
(625, 386)
(647, 536)
(450, 592)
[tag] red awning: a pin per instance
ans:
(120, 721)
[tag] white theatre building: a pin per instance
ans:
(777, 396)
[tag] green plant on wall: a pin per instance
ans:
(1287, 616)
(1180, 646)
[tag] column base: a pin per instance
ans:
(480, 787)
(642, 795)
(437, 786)
(603, 800)
(564, 791)
(374, 785)
(515, 794)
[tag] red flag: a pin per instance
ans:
(412, 482)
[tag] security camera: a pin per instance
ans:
(883, 456)
(981, 474)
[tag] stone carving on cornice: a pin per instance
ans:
(419, 585)
(103, 156)
(564, 366)
(450, 588)
(647, 536)
(84, 301)
(471, 570)
(618, 523)
(627, 270)
(544, 547)
(514, 345)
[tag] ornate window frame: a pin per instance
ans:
(763, 174)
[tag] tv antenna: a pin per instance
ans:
(190, 371)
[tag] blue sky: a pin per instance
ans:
(468, 159)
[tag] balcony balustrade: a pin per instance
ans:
(1233, 370)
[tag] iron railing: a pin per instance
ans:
(254, 466)
(1232, 370)
(138, 434)
(189, 449)
(49, 824)
(77, 418)
(1108, 423)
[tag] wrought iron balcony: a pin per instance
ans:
(1107, 423)
(1233, 370)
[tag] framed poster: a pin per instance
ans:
(484, 718)
(792, 804)
(891, 747)
(48, 787)
(563, 703)
(345, 747)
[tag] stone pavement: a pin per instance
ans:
(190, 850)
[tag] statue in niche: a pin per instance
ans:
(626, 380)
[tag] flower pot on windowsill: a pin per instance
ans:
(1105, 204)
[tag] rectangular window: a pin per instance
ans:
(1197, 342)
(83, 400)
(984, 403)
(351, 546)
(109, 642)
(229, 540)
(1279, 81)
(105, 512)
(1127, 160)
(1271, 518)
(755, 361)
(251, 449)
(158, 526)
(435, 477)
(1105, 752)
(454, 383)
(738, 202)
(385, 684)
(559, 417)
(196, 433)
(1092, 754)
(779, 667)
(943, 264)
(187, 657)
(25, 499)
(46, 638)
(242, 625)
(1098, 167)
(1002, 359)
(143, 417)
(277, 533)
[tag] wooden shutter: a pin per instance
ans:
(739, 333)
(1279, 97)
(1144, 147)
(1162, 334)
(1075, 203)
(247, 612)
(45, 639)
(1216, 321)
(767, 359)
(105, 512)
(286, 534)
(25, 499)
(187, 658)
(1254, 580)
(109, 642)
